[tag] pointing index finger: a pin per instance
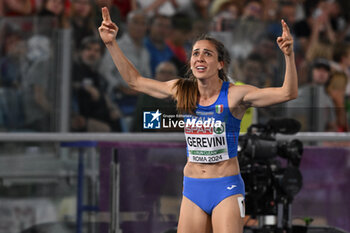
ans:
(105, 14)
(285, 27)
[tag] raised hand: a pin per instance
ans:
(285, 42)
(108, 30)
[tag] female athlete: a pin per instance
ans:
(213, 194)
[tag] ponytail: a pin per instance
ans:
(186, 95)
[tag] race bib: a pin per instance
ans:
(207, 144)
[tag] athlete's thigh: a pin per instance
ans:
(226, 217)
(193, 219)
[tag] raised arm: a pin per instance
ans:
(260, 97)
(108, 31)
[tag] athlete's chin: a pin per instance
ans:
(201, 76)
(205, 77)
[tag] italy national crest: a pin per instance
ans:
(219, 108)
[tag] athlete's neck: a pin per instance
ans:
(209, 88)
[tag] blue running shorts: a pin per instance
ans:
(208, 193)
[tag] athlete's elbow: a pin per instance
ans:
(293, 95)
(134, 83)
(289, 93)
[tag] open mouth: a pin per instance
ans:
(201, 68)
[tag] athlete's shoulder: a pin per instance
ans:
(237, 92)
(240, 86)
(173, 82)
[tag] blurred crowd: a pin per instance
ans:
(156, 36)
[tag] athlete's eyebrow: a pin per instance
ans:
(206, 50)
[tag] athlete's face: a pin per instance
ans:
(204, 60)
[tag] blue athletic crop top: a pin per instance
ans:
(212, 134)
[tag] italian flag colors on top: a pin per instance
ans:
(219, 108)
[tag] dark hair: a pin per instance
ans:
(247, 2)
(340, 50)
(7, 31)
(187, 89)
(43, 7)
(181, 21)
(87, 41)
(321, 63)
(255, 57)
(89, 21)
(157, 16)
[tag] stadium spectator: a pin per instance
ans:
(165, 71)
(94, 110)
(82, 20)
(252, 10)
(266, 47)
(232, 6)
(225, 14)
(39, 86)
(322, 36)
(177, 41)
(132, 45)
(341, 62)
(286, 10)
(337, 19)
(252, 71)
(197, 9)
(336, 87)
(163, 7)
(159, 31)
(11, 76)
(15, 7)
(314, 108)
(55, 8)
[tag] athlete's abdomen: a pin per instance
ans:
(228, 167)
